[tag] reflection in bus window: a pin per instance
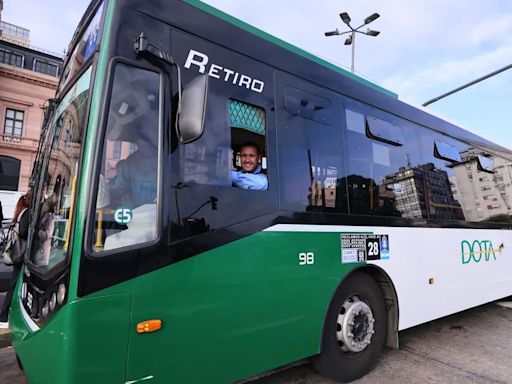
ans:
(59, 164)
(390, 180)
(88, 43)
(308, 106)
(446, 151)
(126, 205)
(382, 130)
(370, 162)
(484, 195)
(311, 152)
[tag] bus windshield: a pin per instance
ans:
(55, 177)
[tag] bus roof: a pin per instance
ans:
(262, 34)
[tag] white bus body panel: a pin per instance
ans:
(433, 270)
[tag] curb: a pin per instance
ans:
(5, 338)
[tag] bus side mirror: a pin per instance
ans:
(192, 110)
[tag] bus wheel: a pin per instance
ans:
(354, 330)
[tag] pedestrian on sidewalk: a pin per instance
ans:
(21, 216)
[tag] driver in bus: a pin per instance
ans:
(250, 176)
(135, 182)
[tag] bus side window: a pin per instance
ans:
(446, 178)
(248, 149)
(310, 148)
(496, 186)
(378, 162)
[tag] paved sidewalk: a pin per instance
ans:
(471, 347)
(5, 340)
(9, 370)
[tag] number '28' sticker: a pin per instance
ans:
(361, 247)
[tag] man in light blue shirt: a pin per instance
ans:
(250, 176)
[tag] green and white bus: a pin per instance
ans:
(147, 265)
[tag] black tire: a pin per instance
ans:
(19, 363)
(336, 360)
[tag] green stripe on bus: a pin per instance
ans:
(97, 91)
(249, 301)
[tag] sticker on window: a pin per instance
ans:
(361, 247)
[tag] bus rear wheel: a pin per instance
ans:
(354, 330)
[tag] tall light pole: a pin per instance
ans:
(352, 38)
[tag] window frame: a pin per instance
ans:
(17, 164)
(485, 163)
(100, 147)
(250, 133)
(10, 54)
(117, 150)
(47, 64)
(378, 129)
(440, 153)
(15, 30)
(14, 120)
(303, 108)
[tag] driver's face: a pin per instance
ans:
(249, 158)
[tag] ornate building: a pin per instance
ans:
(28, 78)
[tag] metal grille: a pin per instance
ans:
(246, 116)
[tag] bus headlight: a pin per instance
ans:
(23, 291)
(61, 294)
(53, 302)
(44, 310)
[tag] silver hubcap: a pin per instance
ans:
(354, 325)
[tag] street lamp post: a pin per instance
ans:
(351, 40)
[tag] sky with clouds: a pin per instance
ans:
(425, 48)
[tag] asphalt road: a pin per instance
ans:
(472, 347)
(9, 371)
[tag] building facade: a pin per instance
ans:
(424, 191)
(28, 79)
(483, 195)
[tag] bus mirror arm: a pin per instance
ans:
(142, 47)
(145, 49)
(191, 110)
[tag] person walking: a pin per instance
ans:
(21, 216)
